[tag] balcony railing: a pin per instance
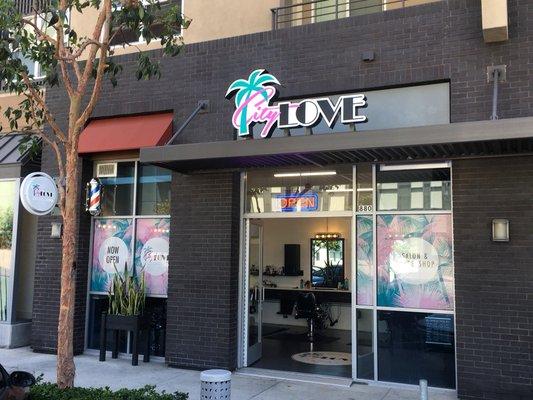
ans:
(28, 7)
(310, 12)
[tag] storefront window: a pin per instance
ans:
(415, 265)
(7, 203)
(151, 254)
(412, 190)
(135, 241)
(117, 196)
(365, 189)
(405, 285)
(365, 260)
(300, 190)
(365, 348)
(153, 196)
(112, 251)
(426, 340)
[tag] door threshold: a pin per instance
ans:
(295, 376)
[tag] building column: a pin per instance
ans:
(203, 271)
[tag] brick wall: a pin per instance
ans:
(441, 41)
(48, 273)
(203, 271)
(494, 281)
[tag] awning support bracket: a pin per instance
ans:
(496, 74)
(203, 105)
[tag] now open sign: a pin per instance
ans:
(298, 202)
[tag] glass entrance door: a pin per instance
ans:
(255, 291)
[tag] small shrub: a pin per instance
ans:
(49, 391)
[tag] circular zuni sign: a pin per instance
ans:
(38, 193)
(154, 256)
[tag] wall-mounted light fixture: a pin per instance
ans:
(57, 230)
(327, 235)
(500, 230)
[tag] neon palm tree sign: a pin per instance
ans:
(253, 98)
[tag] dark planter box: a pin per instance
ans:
(126, 322)
(129, 323)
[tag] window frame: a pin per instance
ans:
(134, 218)
(374, 307)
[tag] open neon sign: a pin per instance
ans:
(253, 98)
(298, 202)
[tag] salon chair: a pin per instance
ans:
(307, 308)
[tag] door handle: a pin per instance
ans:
(262, 294)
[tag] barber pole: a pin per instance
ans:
(94, 195)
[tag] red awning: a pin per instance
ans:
(125, 133)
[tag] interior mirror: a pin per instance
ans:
(21, 379)
(327, 263)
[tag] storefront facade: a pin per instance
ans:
(18, 231)
(422, 182)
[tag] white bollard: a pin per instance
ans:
(423, 389)
(216, 385)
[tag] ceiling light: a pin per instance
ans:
(298, 174)
(288, 175)
(319, 173)
(339, 190)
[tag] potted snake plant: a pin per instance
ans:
(127, 295)
(127, 299)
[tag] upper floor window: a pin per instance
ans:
(35, 70)
(302, 12)
(122, 36)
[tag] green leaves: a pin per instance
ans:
(127, 294)
(48, 391)
(26, 54)
(111, 71)
(54, 19)
(147, 69)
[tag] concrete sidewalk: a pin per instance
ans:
(120, 374)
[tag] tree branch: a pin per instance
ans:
(42, 35)
(39, 99)
(79, 51)
(103, 17)
(102, 63)
(60, 50)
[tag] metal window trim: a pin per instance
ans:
(375, 308)
(241, 356)
(310, 214)
(134, 218)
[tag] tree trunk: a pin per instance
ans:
(65, 349)
(66, 369)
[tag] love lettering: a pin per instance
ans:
(253, 98)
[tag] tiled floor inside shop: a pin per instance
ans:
(284, 345)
